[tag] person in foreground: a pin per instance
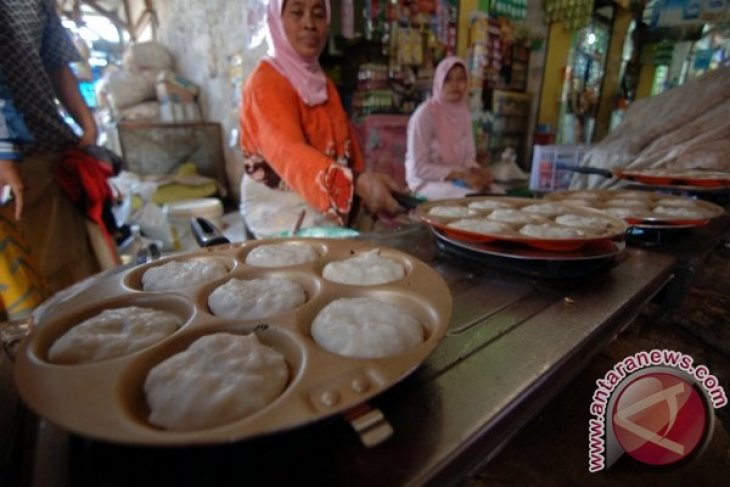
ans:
(300, 151)
(35, 52)
(441, 154)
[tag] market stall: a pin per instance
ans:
(508, 325)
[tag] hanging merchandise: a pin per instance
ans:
(663, 53)
(406, 38)
(409, 47)
(372, 95)
(445, 22)
(575, 14)
(385, 18)
(515, 10)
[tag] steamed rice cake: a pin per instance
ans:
(551, 230)
(450, 211)
(281, 255)
(513, 216)
(488, 205)
(113, 333)
(256, 298)
(366, 269)
(582, 221)
(480, 225)
(219, 379)
(175, 275)
(366, 328)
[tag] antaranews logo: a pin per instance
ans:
(655, 406)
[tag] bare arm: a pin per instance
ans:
(66, 87)
(10, 176)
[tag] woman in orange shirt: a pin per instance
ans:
(300, 151)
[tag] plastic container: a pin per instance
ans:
(179, 214)
(545, 176)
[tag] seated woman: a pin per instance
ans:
(300, 151)
(441, 155)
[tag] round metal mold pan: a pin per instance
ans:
(106, 400)
(593, 251)
(616, 230)
(587, 261)
(645, 215)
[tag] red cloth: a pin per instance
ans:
(84, 180)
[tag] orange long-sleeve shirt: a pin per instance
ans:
(289, 145)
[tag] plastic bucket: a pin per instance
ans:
(179, 214)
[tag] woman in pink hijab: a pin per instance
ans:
(441, 155)
(300, 152)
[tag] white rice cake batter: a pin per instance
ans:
(256, 298)
(551, 230)
(489, 205)
(513, 216)
(366, 269)
(680, 212)
(366, 328)
(176, 275)
(544, 209)
(677, 202)
(593, 222)
(480, 225)
(281, 255)
(450, 211)
(627, 202)
(579, 202)
(113, 333)
(219, 379)
(627, 212)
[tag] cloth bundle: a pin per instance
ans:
(684, 128)
(83, 178)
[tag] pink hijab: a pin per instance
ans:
(453, 120)
(305, 74)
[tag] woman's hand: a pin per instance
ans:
(480, 179)
(89, 136)
(374, 189)
(10, 176)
